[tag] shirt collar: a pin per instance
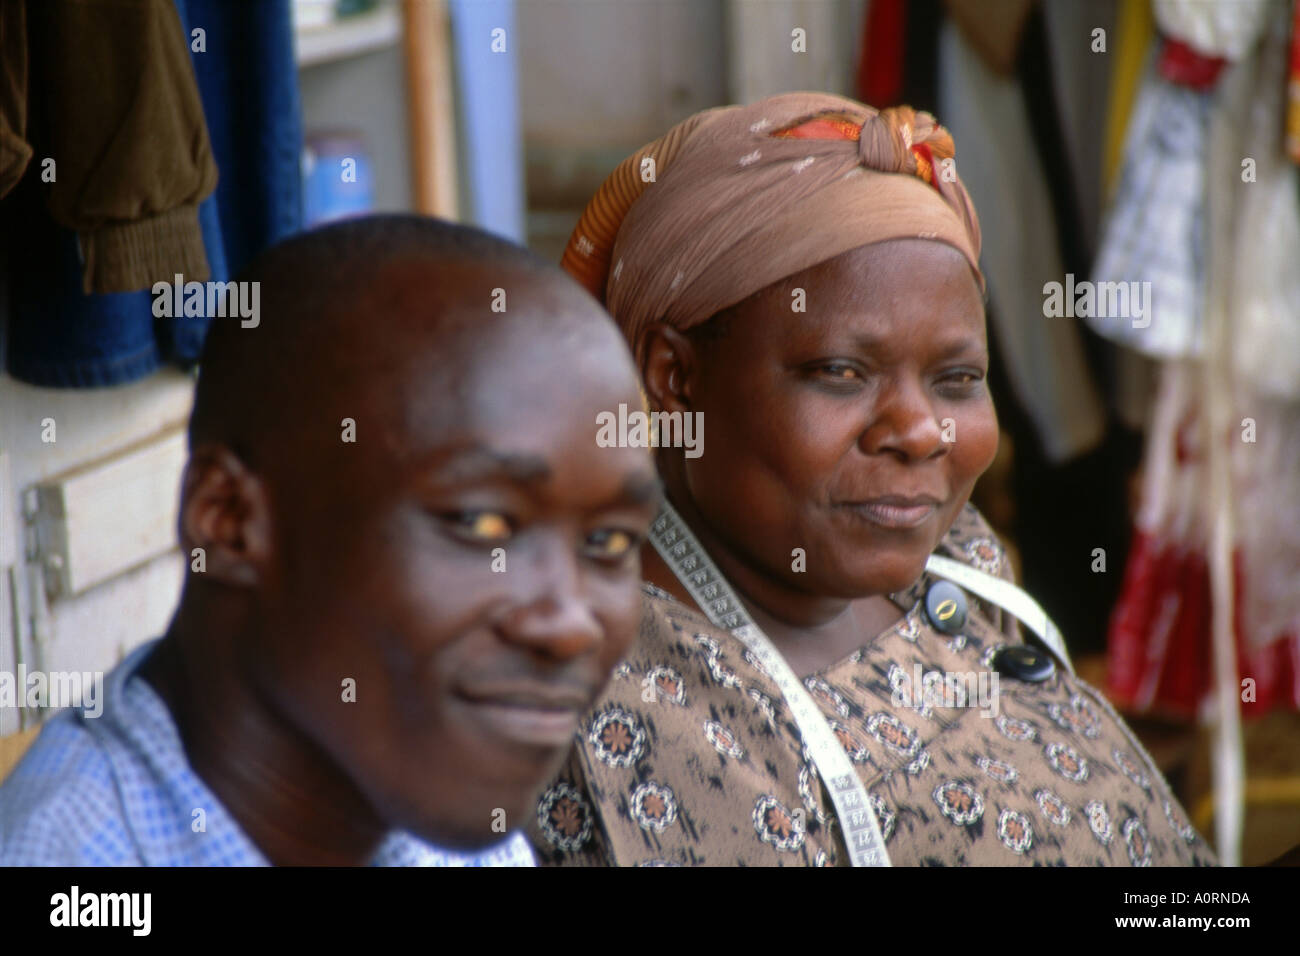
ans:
(134, 712)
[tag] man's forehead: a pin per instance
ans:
(502, 376)
(459, 285)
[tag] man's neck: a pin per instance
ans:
(290, 800)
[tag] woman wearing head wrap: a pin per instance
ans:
(802, 275)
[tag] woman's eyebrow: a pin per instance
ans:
(966, 346)
(871, 342)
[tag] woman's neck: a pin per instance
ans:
(811, 631)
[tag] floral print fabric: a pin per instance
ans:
(692, 758)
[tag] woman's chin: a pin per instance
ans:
(856, 589)
(867, 582)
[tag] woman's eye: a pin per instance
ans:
(483, 525)
(964, 378)
(610, 544)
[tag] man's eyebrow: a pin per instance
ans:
(643, 488)
(482, 463)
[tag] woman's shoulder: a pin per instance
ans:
(665, 620)
(972, 540)
(684, 743)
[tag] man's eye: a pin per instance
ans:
(610, 544)
(483, 525)
(839, 371)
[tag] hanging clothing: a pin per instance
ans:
(1044, 358)
(1160, 639)
(1134, 34)
(248, 81)
(15, 151)
(880, 62)
(1079, 93)
(246, 77)
(114, 94)
(1159, 658)
(60, 337)
(993, 31)
(1293, 90)
(1155, 232)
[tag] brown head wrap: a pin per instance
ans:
(736, 198)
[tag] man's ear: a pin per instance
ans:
(226, 511)
(668, 363)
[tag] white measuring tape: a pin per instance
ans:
(698, 574)
(1007, 596)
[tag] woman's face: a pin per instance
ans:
(854, 430)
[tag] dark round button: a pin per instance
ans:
(1022, 662)
(945, 606)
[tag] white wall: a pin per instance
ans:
(94, 629)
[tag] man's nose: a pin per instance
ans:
(556, 617)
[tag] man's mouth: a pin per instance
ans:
(536, 715)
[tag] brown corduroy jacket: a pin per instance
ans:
(106, 89)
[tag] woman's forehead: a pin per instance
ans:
(877, 285)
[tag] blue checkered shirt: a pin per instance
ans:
(117, 790)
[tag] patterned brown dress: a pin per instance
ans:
(691, 757)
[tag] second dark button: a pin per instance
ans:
(1022, 662)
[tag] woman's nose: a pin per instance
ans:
(903, 423)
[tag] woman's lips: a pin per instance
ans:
(895, 512)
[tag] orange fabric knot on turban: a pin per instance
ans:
(898, 139)
(734, 199)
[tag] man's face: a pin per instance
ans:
(471, 565)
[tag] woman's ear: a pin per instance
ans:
(225, 511)
(668, 363)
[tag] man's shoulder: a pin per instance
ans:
(61, 805)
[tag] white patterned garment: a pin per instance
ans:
(117, 790)
(1155, 231)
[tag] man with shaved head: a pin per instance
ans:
(412, 570)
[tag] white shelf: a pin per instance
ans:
(349, 36)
